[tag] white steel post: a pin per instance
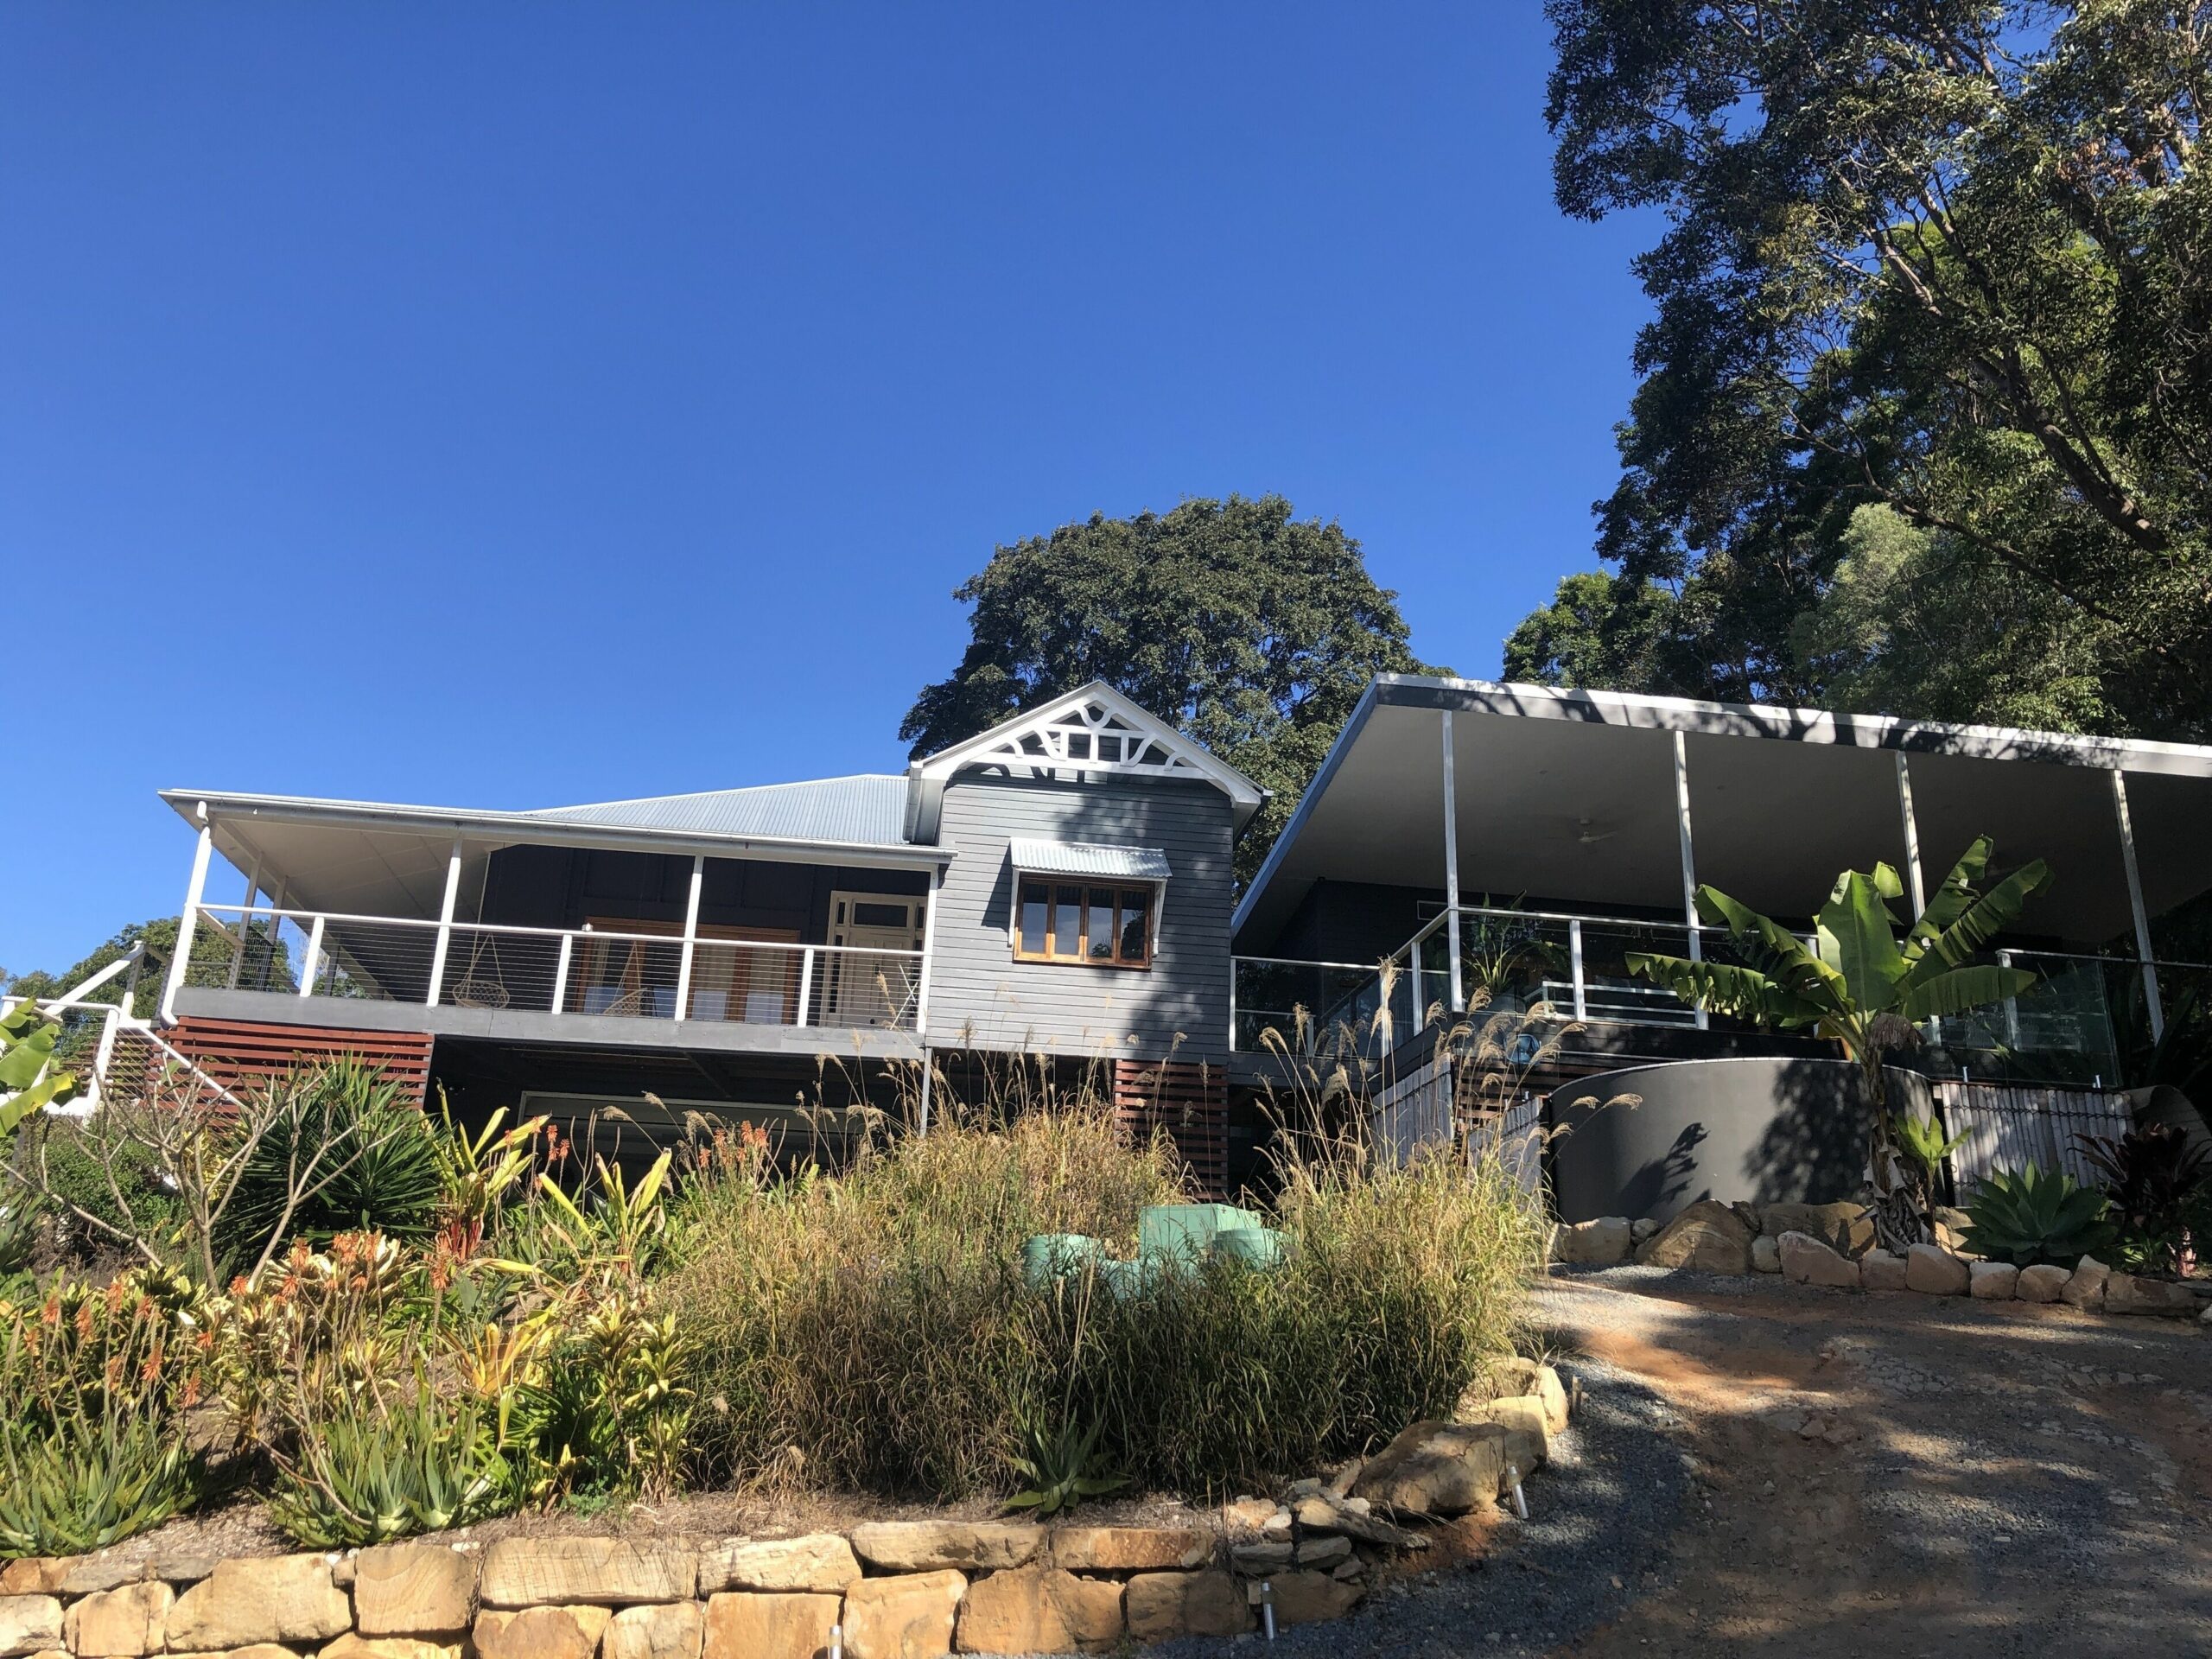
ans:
(690, 936)
(1574, 951)
(245, 922)
(1452, 871)
(2012, 1009)
(105, 1055)
(1689, 858)
(2135, 903)
(1916, 885)
(561, 974)
(195, 891)
(445, 921)
(928, 949)
(806, 981)
(313, 965)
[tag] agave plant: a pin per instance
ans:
(1860, 985)
(2028, 1216)
(1055, 1466)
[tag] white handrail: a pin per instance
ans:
(582, 933)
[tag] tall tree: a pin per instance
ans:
(1253, 631)
(1953, 259)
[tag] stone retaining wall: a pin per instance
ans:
(892, 1590)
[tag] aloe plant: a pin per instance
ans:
(2026, 1217)
(1861, 986)
(1056, 1467)
(88, 1479)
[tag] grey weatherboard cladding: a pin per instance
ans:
(981, 996)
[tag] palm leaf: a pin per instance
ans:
(1857, 937)
(1725, 988)
(1983, 919)
(1953, 899)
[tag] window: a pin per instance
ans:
(1065, 921)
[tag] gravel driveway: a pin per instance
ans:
(1766, 1470)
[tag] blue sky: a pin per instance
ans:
(512, 405)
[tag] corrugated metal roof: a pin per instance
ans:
(867, 809)
(1090, 858)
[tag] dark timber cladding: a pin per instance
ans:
(1190, 1103)
(235, 1053)
(980, 997)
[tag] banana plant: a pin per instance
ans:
(1861, 986)
(29, 1081)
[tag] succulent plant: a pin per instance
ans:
(2026, 1216)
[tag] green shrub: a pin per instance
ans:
(2156, 1181)
(75, 1175)
(2028, 1216)
(364, 1159)
(85, 1478)
(879, 1324)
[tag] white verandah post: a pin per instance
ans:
(2142, 917)
(929, 949)
(445, 922)
(690, 935)
(1916, 882)
(1689, 859)
(1452, 871)
(195, 891)
(245, 922)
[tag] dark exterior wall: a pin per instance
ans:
(980, 997)
(1352, 921)
(564, 886)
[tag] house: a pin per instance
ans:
(1508, 846)
(1058, 888)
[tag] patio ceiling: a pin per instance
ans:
(1568, 798)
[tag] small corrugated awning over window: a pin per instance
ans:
(1090, 858)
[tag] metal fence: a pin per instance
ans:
(2007, 1126)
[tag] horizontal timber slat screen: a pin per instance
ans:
(242, 1053)
(1190, 1101)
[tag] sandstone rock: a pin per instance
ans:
(1266, 1556)
(970, 1546)
(1354, 1520)
(1708, 1237)
(1528, 1445)
(181, 1567)
(667, 1630)
(1641, 1229)
(908, 1618)
(252, 1650)
(1321, 1552)
(1436, 1468)
(749, 1626)
(568, 1632)
(351, 1646)
(1933, 1271)
(1992, 1281)
(414, 1590)
(1277, 1525)
(2041, 1283)
(90, 1574)
(284, 1598)
(1881, 1271)
(121, 1623)
(30, 1623)
(1306, 1597)
(1318, 1510)
(1242, 1515)
(1519, 1376)
(1806, 1261)
(822, 1563)
(1160, 1605)
(35, 1575)
(1599, 1244)
(2085, 1285)
(2127, 1293)
(1766, 1255)
(1341, 1478)
(556, 1572)
(1039, 1610)
(1844, 1227)
(1130, 1549)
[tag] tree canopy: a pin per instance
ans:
(1925, 410)
(1253, 631)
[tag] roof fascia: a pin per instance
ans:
(1338, 750)
(519, 828)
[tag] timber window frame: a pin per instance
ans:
(1047, 910)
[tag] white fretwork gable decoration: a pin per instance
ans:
(1093, 730)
